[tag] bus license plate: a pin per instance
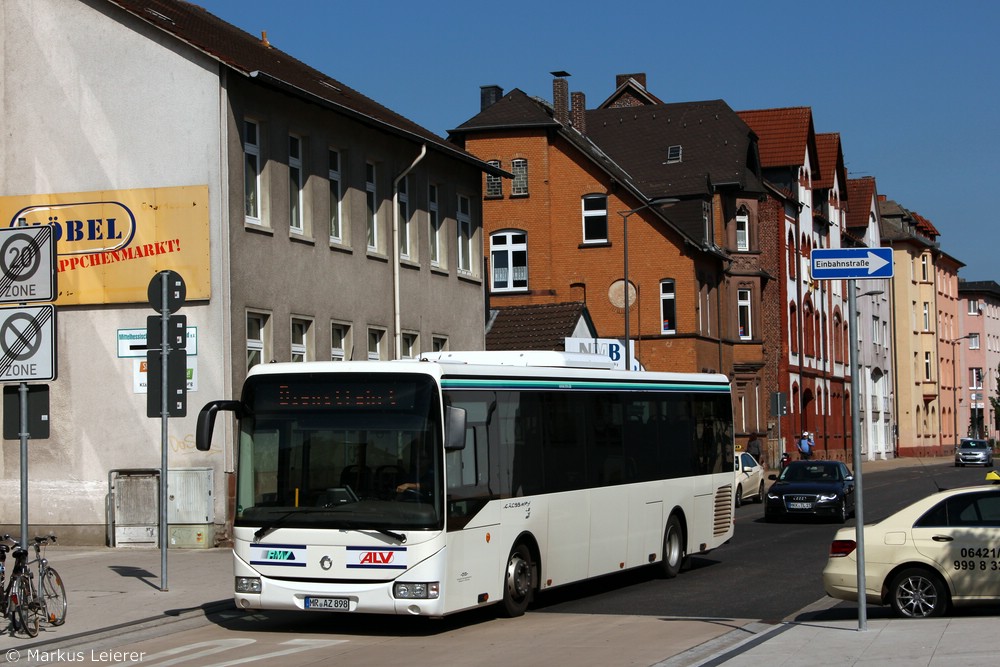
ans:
(800, 506)
(336, 604)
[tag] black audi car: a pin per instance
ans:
(811, 489)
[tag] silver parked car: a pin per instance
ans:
(973, 452)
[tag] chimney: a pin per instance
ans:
(578, 112)
(560, 96)
(488, 96)
(639, 77)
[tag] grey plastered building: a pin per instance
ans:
(308, 221)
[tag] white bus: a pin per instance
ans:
(435, 486)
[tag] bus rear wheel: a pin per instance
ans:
(518, 587)
(673, 548)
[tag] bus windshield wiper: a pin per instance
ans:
(271, 525)
(399, 537)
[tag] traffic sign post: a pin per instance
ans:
(166, 377)
(27, 335)
(851, 264)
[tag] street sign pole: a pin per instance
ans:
(164, 423)
(859, 512)
(23, 435)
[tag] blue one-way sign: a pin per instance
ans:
(848, 263)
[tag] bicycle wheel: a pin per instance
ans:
(53, 595)
(25, 606)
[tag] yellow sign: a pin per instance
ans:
(109, 244)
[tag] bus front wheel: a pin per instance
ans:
(518, 586)
(673, 548)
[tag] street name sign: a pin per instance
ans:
(851, 263)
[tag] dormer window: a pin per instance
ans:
(673, 154)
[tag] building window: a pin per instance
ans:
(743, 308)
(300, 339)
(975, 378)
(742, 233)
(876, 328)
(927, 316)
(595, 218)
(439, 344)
(668, 323)
(519, 168)
(974, 341)
(974, 307)
(409, 349)
(371, 204)
(494, 184)
(434, 217)
(251, 171)
(336, 198)
(464, 218)
(375, 344)
(295, 183)
(509, 260)
(404, 218)
(340, 341)
(257, 339)
(673, 154)
(923, 267)
(927, 366)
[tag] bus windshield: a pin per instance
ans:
(341, 451)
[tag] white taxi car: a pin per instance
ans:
(749, 479)
(940, 551)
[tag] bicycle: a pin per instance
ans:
(14, 602)
(51, 591)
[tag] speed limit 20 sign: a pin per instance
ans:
(27, 264)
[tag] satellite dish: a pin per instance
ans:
(616, 294)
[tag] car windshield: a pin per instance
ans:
(810, 472)
(973, 444)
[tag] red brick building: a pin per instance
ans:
(556, 233)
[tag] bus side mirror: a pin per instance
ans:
(206, 422)
(454, 428)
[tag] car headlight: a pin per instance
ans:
(827, 497)
(773, 496)
(416, 590)
(248, 584)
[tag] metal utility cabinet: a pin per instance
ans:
(134, 498)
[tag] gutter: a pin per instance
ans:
(396, 333)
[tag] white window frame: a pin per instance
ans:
(927, 366)
(296, 197)
(434, 226)
(927, 316)
(973, 307)
(336, 197)
(340, 332)
(376, 344)
(668, 296)
(674, 154)
(508, 244)
(494, 184)
(973, 341)
(745, 312)
(594, 213)
(258, 345)
(743, 233)
(975, 378)
(463, 216)
(251, 152)
(519, 187)
(301, 339)
(371, 206)
(403, 193)
(409, 345)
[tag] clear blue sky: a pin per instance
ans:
(913, 87)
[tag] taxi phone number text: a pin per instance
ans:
(992, 565)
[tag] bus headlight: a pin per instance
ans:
(416, 590)
(248, 584)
